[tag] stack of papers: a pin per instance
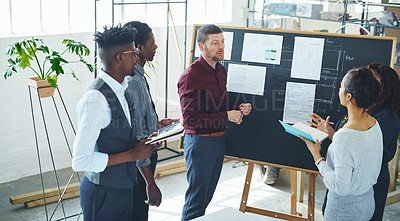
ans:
(170, 132)
(301, 129)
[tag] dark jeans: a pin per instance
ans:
(204, 160)
(140, 208)
(104, 203)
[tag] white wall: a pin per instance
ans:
(17, 143)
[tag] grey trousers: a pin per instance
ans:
(351, 207)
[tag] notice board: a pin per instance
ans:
(259, 63)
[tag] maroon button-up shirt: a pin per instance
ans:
(202, 92)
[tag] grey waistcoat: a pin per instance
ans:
(117, 137)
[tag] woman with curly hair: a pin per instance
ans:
(386, 111)
(347, 174)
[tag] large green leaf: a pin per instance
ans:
(11, 61)
(43, 48)
(55, 66)
(8, 72)
(32, 51)
(89, 66)
(52, 81)
(11, 49)
(56, 61)
(31, 42)
(12, 68)
(76, 47)
(23, 56)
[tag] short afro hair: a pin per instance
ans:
(143, 31)
(114, 36)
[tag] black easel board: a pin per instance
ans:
(260, 137)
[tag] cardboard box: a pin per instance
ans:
(333, 15)
(309, 10)
(283, 8)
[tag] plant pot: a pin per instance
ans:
(44, 88)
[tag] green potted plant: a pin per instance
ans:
(24, 54)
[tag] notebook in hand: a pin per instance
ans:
(301, 129)
(174, 130)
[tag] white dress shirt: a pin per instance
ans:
(94, 114)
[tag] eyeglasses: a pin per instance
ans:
(135, 52)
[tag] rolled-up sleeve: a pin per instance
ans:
(143, 163)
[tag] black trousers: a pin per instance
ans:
(380, 192)
(140, 208)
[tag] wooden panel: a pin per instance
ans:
(50, 199)
(36, 195)
(168, 168)
(393, 197)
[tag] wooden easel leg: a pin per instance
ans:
(293, 192)
(246, 188)
(311, 196)
(300, 186)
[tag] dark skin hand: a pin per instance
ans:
(140, 151)
(154, 196)
(143, 151)
(165, 122)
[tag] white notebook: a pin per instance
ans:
(301, 129)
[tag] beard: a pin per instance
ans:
(215, 56)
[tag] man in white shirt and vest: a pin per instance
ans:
(105, 146)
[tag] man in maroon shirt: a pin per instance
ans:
(205, 110)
